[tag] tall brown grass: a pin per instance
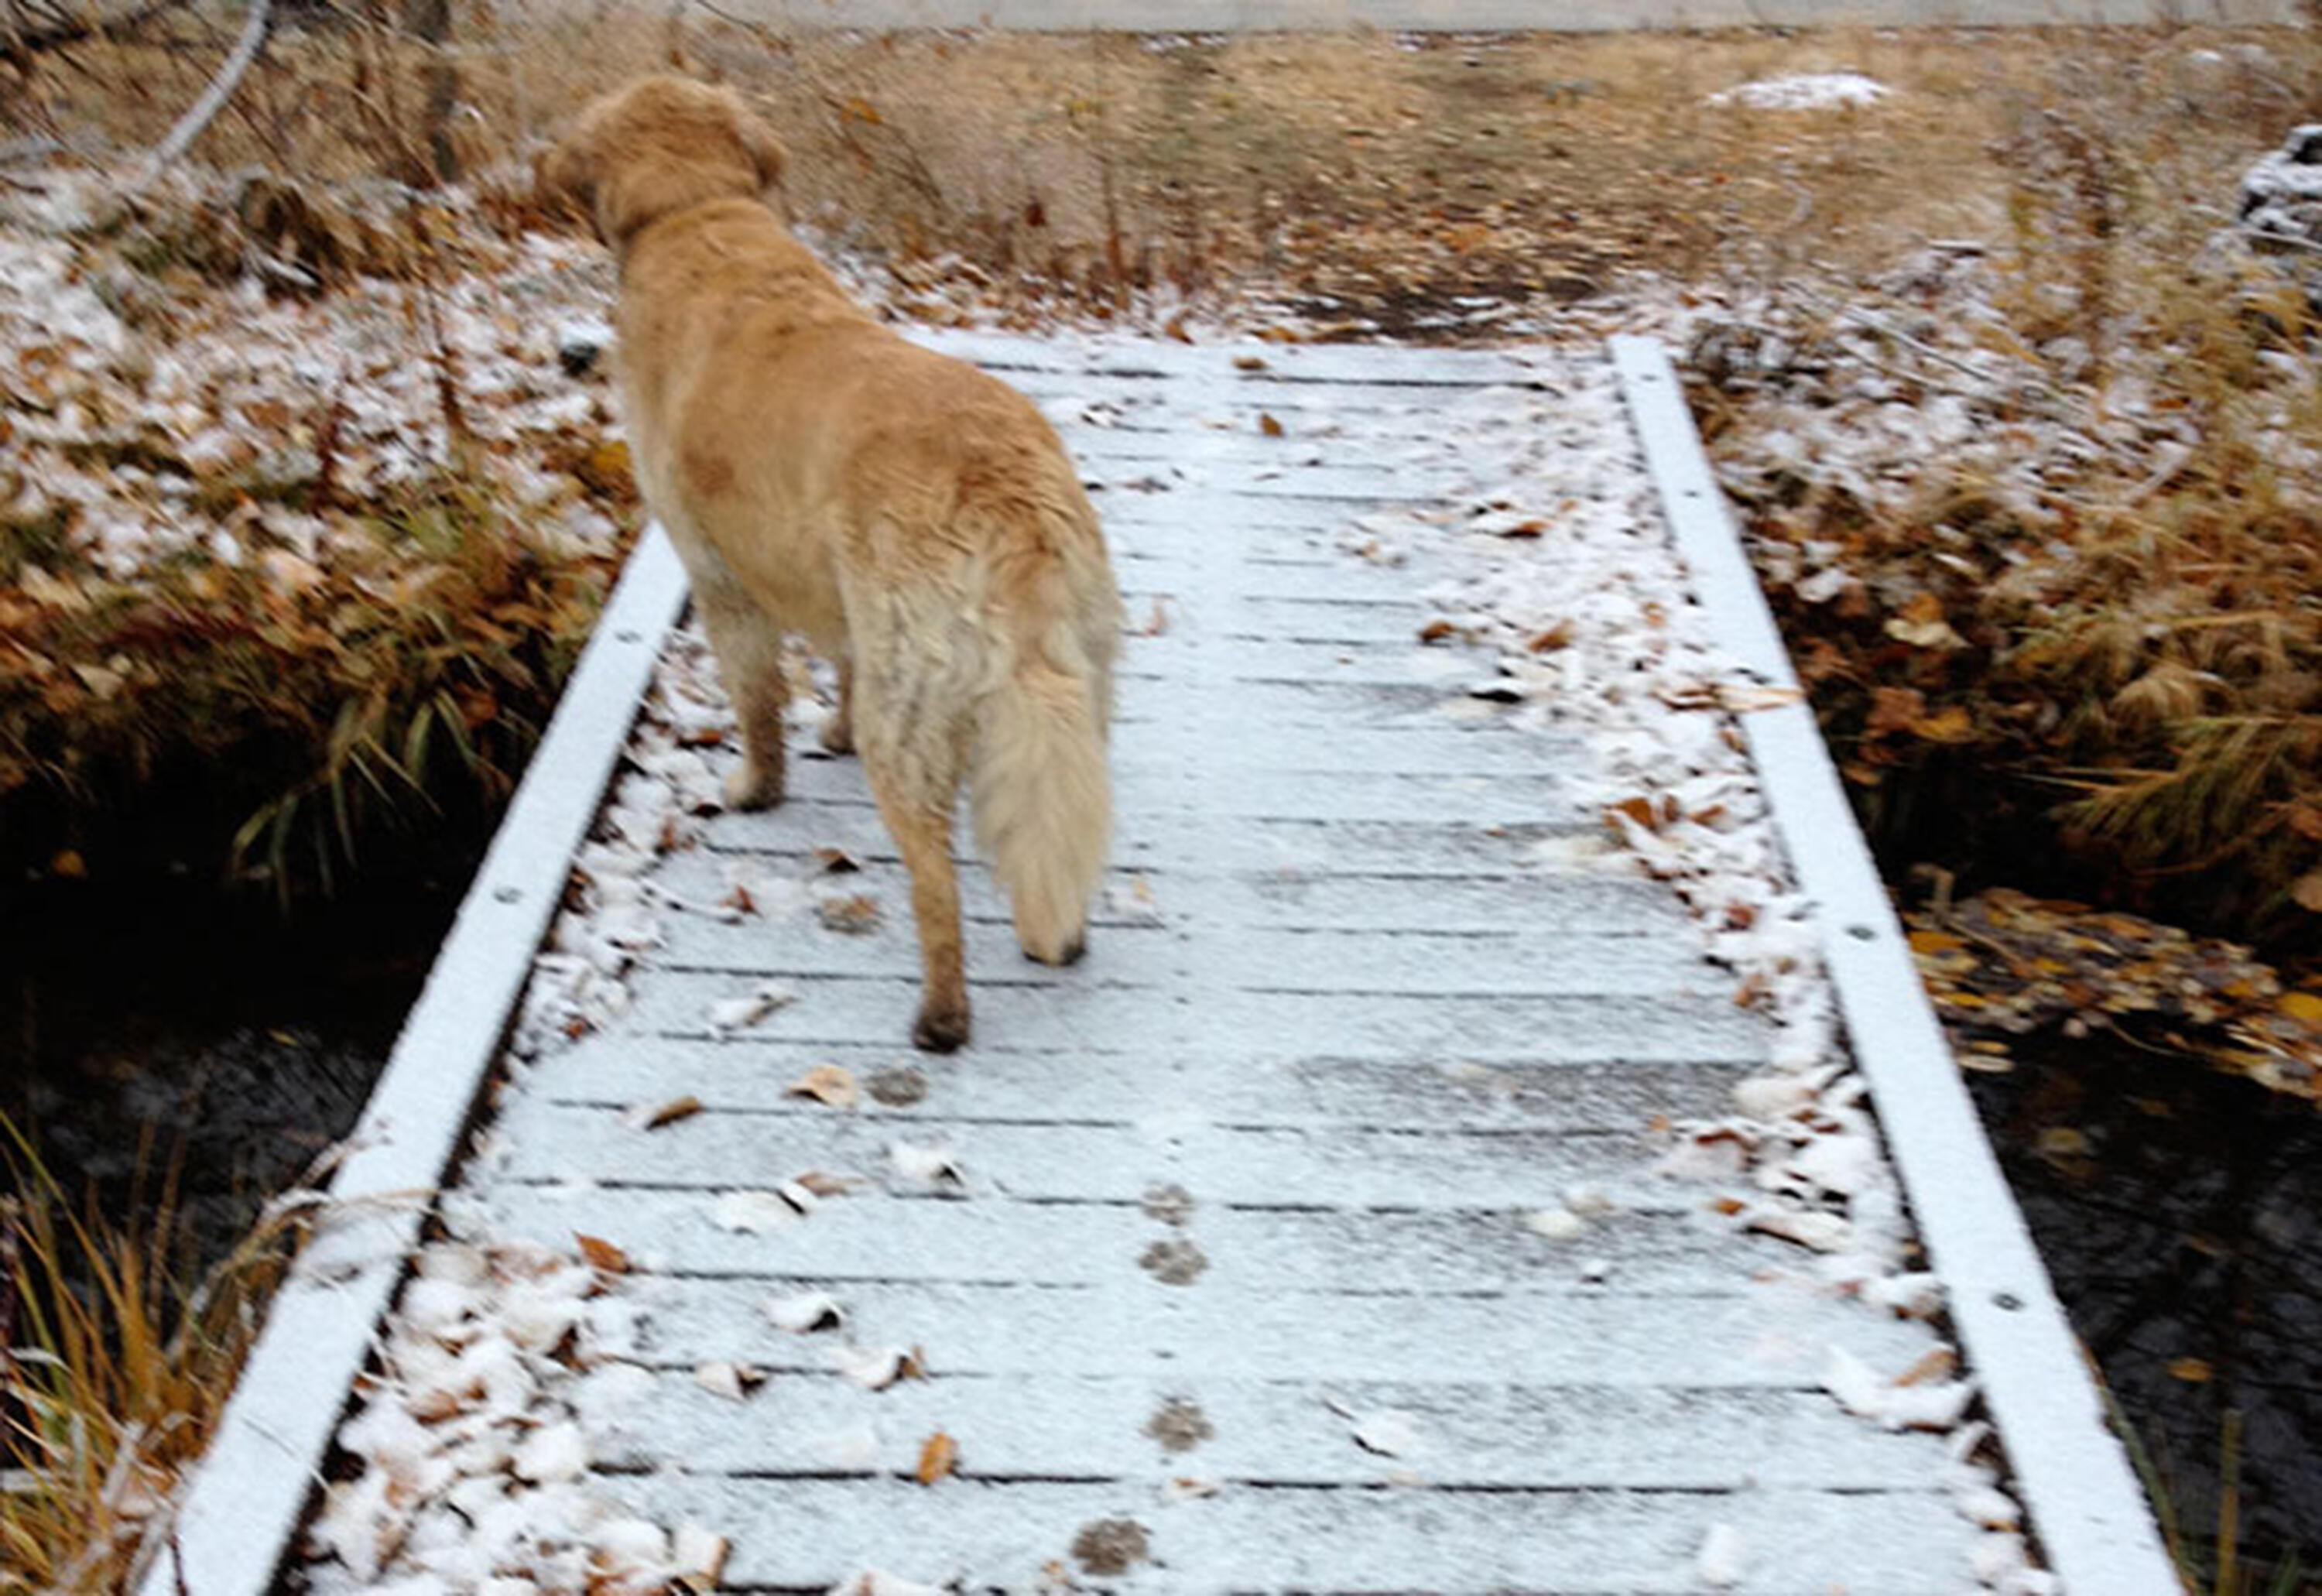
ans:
(112, 1373)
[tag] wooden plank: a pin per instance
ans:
(1297, 1428)
(803, 1534)
(1231, 1025)
(1083, 1161)
(1396, 1255)
(1728, 1333)
(1001, 1082)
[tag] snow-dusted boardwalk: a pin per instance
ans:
(1367, 1212)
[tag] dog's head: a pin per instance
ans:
(660, 145)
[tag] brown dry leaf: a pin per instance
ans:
(1934, 634)
(1937, 1364)
(2192, 1371)
(937, 1457)
(1248, 363)
(1892, 709)
(601, 1253)
(1524, 529)
(832, 1084)
(1436, 631)
(1641, 810)
(822, 1184)
(1556, 637)
(2306, 1007)
(1268, 425)
(671, 1112)
(1748, 697)
(1953, 724)
(855, 916)
(837, 861)
(702, 1553)
(2306, 891)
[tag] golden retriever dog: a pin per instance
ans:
(914, 519)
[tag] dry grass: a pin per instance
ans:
(1358, 167)
(112, 1376)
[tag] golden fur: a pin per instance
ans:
(915, 519)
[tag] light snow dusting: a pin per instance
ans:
(1564, 561)
(1809, 91)
(504, 1363)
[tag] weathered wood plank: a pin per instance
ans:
(1392, 1257)
(802, 1534)
(1339, 1167)
(999, 1083)
(1297, 1428)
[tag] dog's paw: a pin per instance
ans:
(753, 787)
(940, 1030)
(1072, 952)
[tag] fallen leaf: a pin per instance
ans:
(1953, 724)
(804, 1312)
(853, 916)
(731, 1381)
(673, 1111)
(875, 1368)
(602, 1254)
(931, 1165)
(824, 1184)
(937, 1457)
(1248, 363)
(1641, 810)
(1939, 1364)
(2192, 1371)
(734, 1014)
(699, 1555)
(837, 861)
(1268, 425)
(830, 1084)
(751, 1211)
(1742, 698)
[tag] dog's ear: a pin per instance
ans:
(564, 176)
(758, 141)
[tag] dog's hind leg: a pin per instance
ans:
(749, 649)
(915, 803)
(839, 731)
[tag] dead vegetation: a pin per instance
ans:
(2119, 633)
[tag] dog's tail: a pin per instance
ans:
(1039, 784)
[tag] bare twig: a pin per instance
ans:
(214, 98)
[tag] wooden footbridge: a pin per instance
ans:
(1397, 1198)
